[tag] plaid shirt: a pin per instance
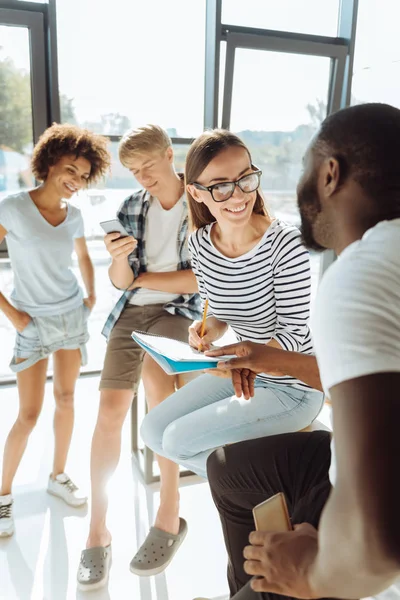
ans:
(132, 214)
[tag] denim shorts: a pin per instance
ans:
(45, 335)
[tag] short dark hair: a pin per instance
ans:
(60, 140)
(365, 139)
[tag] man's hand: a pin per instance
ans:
(119, 247)
(242, 380)
(282, 562)
(258, 358)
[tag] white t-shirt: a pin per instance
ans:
(162, 248)
(356, 319)
(41, 257)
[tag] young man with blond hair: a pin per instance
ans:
(152, 266)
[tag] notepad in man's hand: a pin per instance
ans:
(174, 356)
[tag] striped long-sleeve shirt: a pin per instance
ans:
(263, 294)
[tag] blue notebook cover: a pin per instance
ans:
(170, 365)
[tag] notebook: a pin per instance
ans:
(174, 356)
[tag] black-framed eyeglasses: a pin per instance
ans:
(220, 192)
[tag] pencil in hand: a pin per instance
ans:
(203, 323)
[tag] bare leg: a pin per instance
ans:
(106, 449)
(67, 365)
(31, 384)
(158, 386)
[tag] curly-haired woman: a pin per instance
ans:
(47, 307)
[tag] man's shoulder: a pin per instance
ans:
(356, 316)
(371, 261)
(364, 277)
(134, 202)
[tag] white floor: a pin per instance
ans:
(40, 561)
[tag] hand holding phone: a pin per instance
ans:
(272, 515)
(114, 226)
(118, 242)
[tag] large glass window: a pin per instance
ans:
(306, 16)
(278, 102)
(16, 131)
(125, 68)
(125, 64)
(16, 142)
(376, 71)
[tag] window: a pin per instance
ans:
(16, 129)
(132, 64)
(306, 16)
(376, 70)
(16, 142)
(278, 102)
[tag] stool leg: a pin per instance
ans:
(149, 466)
(134, 424)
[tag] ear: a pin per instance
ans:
(331, 176)
(194, 192)
(170, 154)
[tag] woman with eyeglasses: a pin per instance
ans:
(255, 273)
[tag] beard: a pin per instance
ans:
(310, 213)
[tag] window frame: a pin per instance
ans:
(45, 85)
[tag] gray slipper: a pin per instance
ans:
(157, 551)
(94, 568)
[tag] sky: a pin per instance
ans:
(146, 60)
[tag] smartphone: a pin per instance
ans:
(114, 226)
(272, 515)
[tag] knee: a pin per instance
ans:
(175, 443)
(113, 411)
(27, 419)
(64, 399)
(157, 384)
(152, 432)
(216, 468)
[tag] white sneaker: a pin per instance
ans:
(6, 516)
(64, 488)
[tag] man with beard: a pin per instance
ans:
(344, 506)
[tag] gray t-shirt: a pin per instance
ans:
(41, 257)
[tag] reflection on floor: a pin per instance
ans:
(40, 561)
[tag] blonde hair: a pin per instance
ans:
(203, 150)
(141, 140)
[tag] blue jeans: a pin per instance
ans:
(205, 414)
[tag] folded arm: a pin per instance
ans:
(174, 282)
